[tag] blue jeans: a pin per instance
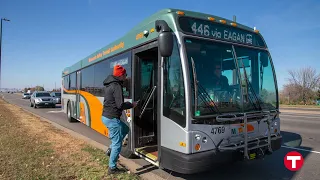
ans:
(117, 132)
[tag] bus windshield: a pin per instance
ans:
(229, 78)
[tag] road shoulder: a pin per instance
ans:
(127, 163)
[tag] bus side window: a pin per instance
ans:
(174, 99)
(66, 83)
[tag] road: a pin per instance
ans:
(300, 131)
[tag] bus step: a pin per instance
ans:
(146, 140)
(150, 152)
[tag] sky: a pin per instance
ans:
(44, 37)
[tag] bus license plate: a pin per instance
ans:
(46, 103)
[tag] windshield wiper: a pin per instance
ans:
(203, 98)
(195, 85)
(247, 81)
(207, 98)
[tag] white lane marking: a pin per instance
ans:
(55, 111)
(300, 149)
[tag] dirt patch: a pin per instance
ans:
(33, 149)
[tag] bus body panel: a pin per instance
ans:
(174, 136)
(91, 111)
(84, 112)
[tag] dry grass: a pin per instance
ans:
(299, 106)
(33, 149)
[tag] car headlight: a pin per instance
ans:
(37, 99)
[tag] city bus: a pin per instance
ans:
(207, 89)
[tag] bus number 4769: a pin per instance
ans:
(218, 130)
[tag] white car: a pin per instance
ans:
(26, 96)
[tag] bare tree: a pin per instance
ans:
(304, 81)
(39, 88)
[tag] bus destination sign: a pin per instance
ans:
(219, 31)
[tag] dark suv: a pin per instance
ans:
(42, 99)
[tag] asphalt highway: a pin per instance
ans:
(300, 132)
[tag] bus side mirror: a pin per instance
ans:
(165, 41)
(165, 44)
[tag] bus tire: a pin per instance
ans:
(70, 118)
(125, 150)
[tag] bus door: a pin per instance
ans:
(77, 106)
(145, 89)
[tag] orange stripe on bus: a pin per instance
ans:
(82, 113)
(95, 113)
(95, 107)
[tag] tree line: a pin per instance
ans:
(39, 88)
(302, 87)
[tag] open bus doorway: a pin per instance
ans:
(145, 115)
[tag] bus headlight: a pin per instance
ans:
(204, 140)
(275, 123)
(197, 137)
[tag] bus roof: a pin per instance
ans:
(137, 36)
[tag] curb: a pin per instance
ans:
(127, 163)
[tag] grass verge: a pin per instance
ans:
(34, 149)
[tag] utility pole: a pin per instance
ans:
(2, 19)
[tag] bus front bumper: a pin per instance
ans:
(203, 161)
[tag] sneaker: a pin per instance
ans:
(114, 171)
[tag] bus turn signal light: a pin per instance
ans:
(197, 147)
(223, 21)
(180, 13)
(211, 18)
(234, 24)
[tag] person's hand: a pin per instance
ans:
(134, 104)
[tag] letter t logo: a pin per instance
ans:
(293, 161)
